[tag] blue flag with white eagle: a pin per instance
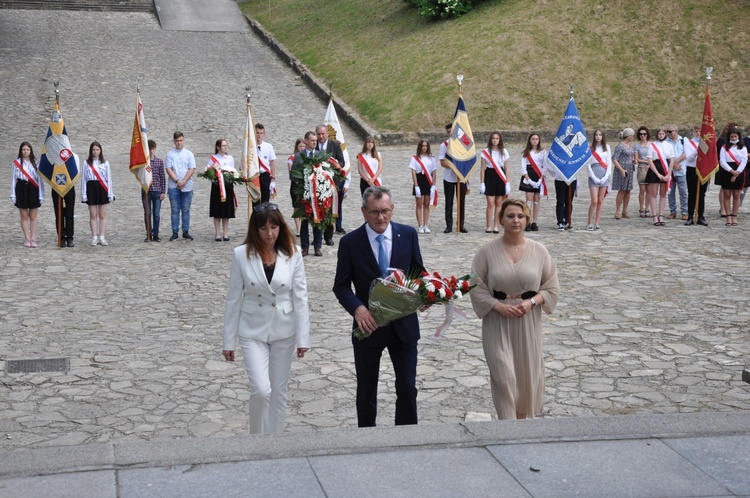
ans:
(570, 149)
(461, 152)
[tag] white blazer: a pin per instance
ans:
(266, 312)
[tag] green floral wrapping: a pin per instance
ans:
(389, 302)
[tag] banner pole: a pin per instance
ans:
(59, 221)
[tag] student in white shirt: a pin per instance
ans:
(96, 191)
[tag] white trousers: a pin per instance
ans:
(268, 367)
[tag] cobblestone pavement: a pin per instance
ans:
(651, 320)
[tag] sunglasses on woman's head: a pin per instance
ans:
(267, 206)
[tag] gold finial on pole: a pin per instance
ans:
(57, 91)
(709, 72)
(460, 78)
(571, 91)
(247, 89)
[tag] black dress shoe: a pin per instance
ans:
(689, 222)
(70, 243)
(155, 238)
(447, 230)
(329, 242)
(702, 221)
(340, 230)
(463, 230)
(146, 239)
(304, 252)
(318, 252)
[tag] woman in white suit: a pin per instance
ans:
(267, 311)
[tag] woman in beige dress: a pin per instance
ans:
(516, 280)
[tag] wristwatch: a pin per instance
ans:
(533, 303)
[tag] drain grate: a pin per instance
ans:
(37, 365)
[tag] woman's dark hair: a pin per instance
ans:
(90, 160)
(217, 146)
(604, 140)
(643, 128)
(419, 147)
(529, 148)
(31, 156)
(374, 146)
(500, 144)
(738, 132)
(263, 214)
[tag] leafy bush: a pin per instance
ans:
(442, 9)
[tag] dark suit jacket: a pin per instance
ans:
(333, 147)
(357, 265)
(297, 162)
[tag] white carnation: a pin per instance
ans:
(442, 293)
(458, 294)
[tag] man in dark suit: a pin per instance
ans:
(311, 141)
(333, 148)
(359, 263)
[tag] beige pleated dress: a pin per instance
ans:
(513, 346)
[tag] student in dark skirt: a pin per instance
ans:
(491, 185)
(299, 146)
(221, 210)
(660, 169)
(533, 169)
(27, 191)
(423, 168)
(731, 174)
(96, 180)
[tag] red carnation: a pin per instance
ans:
(431, 297)
(465, 286)
(448, 293)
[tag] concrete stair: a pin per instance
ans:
(94, 5)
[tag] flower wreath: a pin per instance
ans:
(315, 187)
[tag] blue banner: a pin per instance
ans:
(570, 149)
(461, 153)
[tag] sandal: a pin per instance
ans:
(734, 223)
(656, 221)
(641, 213)
(661, 220)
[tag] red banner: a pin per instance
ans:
(708, 156)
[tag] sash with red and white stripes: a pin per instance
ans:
(370, 172)
(28, 176)
(664, 165)
(313, 184)
(543, 189)
(98, 177)
(219, 178)
(433, 191)
(488, 157)
(734, 159)
(601, 163)
(266, 168)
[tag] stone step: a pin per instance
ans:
(92, 5)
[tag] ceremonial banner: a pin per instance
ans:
(461, 153)
(139, 153)
(250, 169)
(331, 120)
(57, 164)
(570, 148)
(708, 157)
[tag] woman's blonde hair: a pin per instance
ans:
(515, 202)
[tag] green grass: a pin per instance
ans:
(631, 62)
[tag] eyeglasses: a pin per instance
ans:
(265, 207)
(642, 134)
(377, 213)
(671, 131)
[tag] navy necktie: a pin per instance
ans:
(382, 255)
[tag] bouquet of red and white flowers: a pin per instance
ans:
(397, 296)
